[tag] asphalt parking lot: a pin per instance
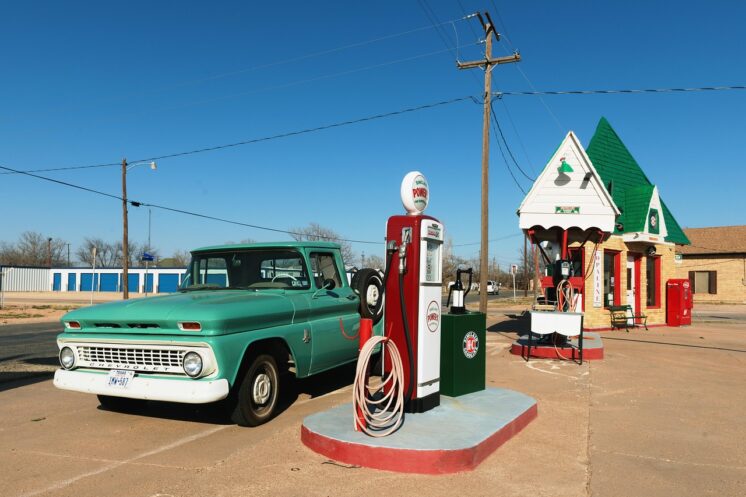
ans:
(660, 415)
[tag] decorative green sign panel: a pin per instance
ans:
(567, 209)
(654, 222)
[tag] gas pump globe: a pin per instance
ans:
(413, 299)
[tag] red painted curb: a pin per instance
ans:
(428, 462)
(544, 352)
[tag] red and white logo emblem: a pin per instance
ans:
(432, 317)
(471, 344)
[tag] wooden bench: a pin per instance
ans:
(621, 315)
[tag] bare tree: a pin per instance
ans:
(106, 253)
(109, 254)
(34, 249)
(180, 258)
(316, 232)
(375, 262)
(451, 262)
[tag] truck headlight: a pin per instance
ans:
(67, 357)
(192, 364)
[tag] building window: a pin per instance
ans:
(704, 281)
(653, 276)
(611, 278)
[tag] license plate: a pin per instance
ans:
(119, 378)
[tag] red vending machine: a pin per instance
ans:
(679, 302)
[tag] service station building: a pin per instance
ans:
(596, 207)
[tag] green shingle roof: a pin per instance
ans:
(636, 203)
(625, 180)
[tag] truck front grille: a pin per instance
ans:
(136, 358)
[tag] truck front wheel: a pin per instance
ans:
(257, 392)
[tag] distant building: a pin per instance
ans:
(715, 263)
(42, 279)
(621, 236)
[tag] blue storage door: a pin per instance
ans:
(133, 282)
(70, 282)
(56, 282)
(149, 283)
(86, 281)
(109, 282)
(168, 283)
(217, 279)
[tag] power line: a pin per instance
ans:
(261, 139)
(499, 94)
(492, 240)
(507, 147)
(136, 203)
(279, 62)
(311, 80)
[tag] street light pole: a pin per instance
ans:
(125, 241)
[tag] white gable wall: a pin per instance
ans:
(594, 206)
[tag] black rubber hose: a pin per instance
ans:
(410, 352)
(388, 268)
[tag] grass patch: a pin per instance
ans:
(40, 307)
(19, 315)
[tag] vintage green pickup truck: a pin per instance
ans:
(244, 318)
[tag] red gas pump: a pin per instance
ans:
(413, 296)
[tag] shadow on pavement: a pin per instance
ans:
(673, 344)
(218, 412)
(517, 324)
(15, 379)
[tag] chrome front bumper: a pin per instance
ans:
(144, 387)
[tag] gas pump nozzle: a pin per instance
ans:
(406, 239)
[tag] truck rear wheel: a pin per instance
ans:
(256, 399)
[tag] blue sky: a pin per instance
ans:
(92, 82)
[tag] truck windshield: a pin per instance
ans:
(247, 269)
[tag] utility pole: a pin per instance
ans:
(125, 241)
(49, 253)
(525, 264)
(487, 64)
(68, 255)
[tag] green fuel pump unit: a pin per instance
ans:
(463, 343)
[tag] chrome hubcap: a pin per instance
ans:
(262, 389)
(372, 295)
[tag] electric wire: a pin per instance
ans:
(505, 161)
(283, 61)
(507, 147)
(499, 94)
(491, 240)
(520, 140)
(308, 80)
(261, 139)
(136, 203)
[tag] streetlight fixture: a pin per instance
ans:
(125, 241)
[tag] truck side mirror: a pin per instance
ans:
(329, 284)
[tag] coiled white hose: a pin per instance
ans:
(380, 418)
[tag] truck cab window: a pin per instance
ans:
(324, 267)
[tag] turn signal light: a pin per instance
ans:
(72, 325)
(190, 326)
